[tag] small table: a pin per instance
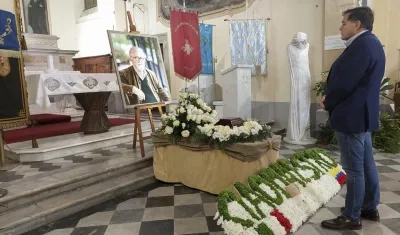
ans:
(91, 90)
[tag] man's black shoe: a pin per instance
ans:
(372, 215)
(341, 223)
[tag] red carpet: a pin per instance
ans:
(45, 131)
(45, 119)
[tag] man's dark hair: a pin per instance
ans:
(363, 14)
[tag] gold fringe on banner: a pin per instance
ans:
(8, 53)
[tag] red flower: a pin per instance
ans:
(342, 179)
(282, 220)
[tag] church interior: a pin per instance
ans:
(178, 117)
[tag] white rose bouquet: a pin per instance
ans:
(182, 121)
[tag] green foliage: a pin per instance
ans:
(320, 88)
(385, 87)
(387, 138)
(226, 197)
(263, 229)
(326, 135)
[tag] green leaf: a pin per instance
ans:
(385, 80)
(387, 87)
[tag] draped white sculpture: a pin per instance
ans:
(298, 131)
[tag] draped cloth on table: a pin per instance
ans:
(208, 169)
(246, 152)
(248, 44)
(185, 35)
(206, 43)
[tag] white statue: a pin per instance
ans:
(298, 130)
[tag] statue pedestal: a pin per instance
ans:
(236, 91)
(302, 142)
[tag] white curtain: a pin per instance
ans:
(248, 44)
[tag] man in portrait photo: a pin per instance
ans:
(140, 85)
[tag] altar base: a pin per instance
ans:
(211, 171)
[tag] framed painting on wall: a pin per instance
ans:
(14, 108)
(36, 17)
(140, 68)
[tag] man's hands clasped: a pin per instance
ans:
(321, 103)
(129, 90)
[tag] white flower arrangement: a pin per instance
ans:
(250, 131)
(194, 118)
(260, 210)
(182, 120)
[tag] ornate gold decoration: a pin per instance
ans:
(5, 67)
(22, 113)
(7, 31)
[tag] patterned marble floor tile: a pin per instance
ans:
(174, 209)
(123, 229)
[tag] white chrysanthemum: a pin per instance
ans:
(176, 123)
(185, 133)
(268, 190)
(169, 130)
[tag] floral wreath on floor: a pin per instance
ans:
(281, 197)
(194, 119)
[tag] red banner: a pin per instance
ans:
(185, 35)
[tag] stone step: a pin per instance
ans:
(27, 218)
(277, 129)
(65, 145)
(30, 191)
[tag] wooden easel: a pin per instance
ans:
(138, 124)
(138, 110)
(132, 27)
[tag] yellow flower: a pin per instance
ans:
(334, 171)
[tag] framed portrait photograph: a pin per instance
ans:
(36, 17)
(140, 68)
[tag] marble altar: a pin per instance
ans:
(43, 53)
(40, 47)
(236, 91)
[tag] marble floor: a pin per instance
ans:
(175, 209)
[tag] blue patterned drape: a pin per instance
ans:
(248, 43)
(206, 37)
(9, 43)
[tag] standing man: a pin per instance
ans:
(352, 100)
